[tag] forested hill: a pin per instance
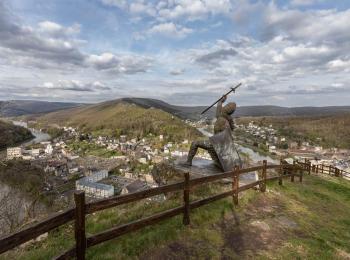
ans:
(27, 107)
(116, 118)
(194, 112)
(12, 134)
(328, 131)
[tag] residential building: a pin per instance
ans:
(91, 187)
(49, 149)
(35, 152)
(14, 152)
(133, 187)
(94, 189)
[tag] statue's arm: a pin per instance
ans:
(219, 106)
(219, 109)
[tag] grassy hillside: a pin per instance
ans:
(328, 131)
(11, 134)
(115, 118)
(308, 220)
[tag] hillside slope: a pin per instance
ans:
(308, 220)
(194, 112)
(27, 107)
(115, 118)
(12, 134)
(328, 131)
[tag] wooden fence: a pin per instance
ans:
(323, 169)
(81, 209)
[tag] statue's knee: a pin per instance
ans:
(194, 144)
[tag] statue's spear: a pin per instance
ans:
(232, 90)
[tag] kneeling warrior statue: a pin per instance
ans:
(220, 147)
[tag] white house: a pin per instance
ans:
(272, 148)
(49, 149)
(143, 160)
(14, 152)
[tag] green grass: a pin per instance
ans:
(85, 148)
(319, 208)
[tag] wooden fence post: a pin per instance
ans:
(280, 172)
(322, 168)
(186, 216)
(292, 171)
(235, 185)
(80, 237)
(336, 172)
(263, 183)
(309, 165)
(301, 172)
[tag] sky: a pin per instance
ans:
(185, 52)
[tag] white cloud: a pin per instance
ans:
(118, 3)
(76, 85)
(125, 63)
(170, 30)
(53, 46)
(339, 64)
(142, 8)
(292, 54)
(194, 9)
(316, 26)
(304, 2)
(174, 9)
(57, 29)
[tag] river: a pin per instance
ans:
(254, 156)
(38, 135)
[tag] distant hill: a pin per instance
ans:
(326, 130)
(120, 117)
(24, 107)
(293, 111)
(27, 107)
(194, 112)
(12, 134)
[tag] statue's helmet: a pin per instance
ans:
(229, 109)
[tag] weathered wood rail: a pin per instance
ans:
(323, 169)
(81, 209)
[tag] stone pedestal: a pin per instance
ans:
(203, 167)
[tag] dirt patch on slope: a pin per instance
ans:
(259, 227)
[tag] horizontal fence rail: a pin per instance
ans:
(324, 169)
(35, 230)
(79, 212)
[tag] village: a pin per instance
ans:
(267, 139)
(120, 166)
(70, 160)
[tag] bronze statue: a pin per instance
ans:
(223, 123)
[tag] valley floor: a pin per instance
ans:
(297, 220)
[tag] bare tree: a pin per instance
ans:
(10, 212)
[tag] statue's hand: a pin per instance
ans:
(223, 99)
